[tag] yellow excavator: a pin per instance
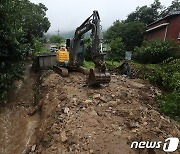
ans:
(71, 57)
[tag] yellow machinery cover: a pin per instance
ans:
(62, 55)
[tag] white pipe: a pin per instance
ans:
(165, 35)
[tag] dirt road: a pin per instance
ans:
(79, 119)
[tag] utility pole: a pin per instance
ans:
(58, 32)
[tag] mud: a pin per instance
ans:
(71, 118)
(17, 129)
(106, 119)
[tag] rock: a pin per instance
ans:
(71, 140)
(91, 151)
(145, 124)
(134, 130)
(27, 150)
(33, 148)
(112, 103)
(136, 84)
(113, 95)
(63, 136)
(154, 91)
(62, 97)
(66, 110)
(96, 96)
(56, 137)
(55, 128)
(128, 101)
(74, 100)
(103, 99)
(93, 113)
(88, 101)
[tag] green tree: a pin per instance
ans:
(88, 46)
(132, 33)
(175, 6)
(117, 50)
(14, 43)
(35, 24)
(146, 14)
(57, 39)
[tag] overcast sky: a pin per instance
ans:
(66, 15)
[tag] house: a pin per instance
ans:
(165, 28)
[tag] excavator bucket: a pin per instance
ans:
(95, 77)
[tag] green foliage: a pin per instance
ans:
(146, 14)
(132, 33)
(167, 77)
(16, 35)
(170, 104)
(117, 49)
(88, 46)
(57, 39)
(111, 65)
(155, 51)
(89, 64)
(39, 48)
(175, 6)
(153, 12)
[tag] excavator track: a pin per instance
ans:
(60, 70)
(96, 78)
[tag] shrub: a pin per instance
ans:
(154, 52)
(87, 46)
(170, 104)
(167, 76)
(117, 50)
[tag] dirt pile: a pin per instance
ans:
(79, 119)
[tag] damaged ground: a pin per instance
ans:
(101, 120)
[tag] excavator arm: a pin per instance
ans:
(99, 74)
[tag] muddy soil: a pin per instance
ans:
(101, 120)
(17, 129)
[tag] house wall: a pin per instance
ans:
(156, 34)
(172, 31)
(174, 28)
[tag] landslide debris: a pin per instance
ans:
(107, 119)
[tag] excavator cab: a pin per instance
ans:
(80, 52)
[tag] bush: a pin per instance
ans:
(57, 39)
(170, 104)
(117, 50)
(154, 52)
(87, 46)
(167, 77)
